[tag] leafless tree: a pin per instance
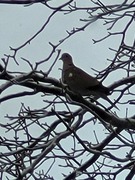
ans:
(107, 151)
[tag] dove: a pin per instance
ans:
(81, 82)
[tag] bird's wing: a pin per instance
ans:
(74, 76)
(84, 78)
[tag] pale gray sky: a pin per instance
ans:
(19, 23)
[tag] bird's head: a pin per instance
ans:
(66, 58)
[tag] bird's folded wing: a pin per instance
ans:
(78, 76)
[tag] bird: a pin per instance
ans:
(80, 82)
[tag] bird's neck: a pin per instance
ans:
(67, 66)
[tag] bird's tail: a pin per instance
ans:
(104, 96)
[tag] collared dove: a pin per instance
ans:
(80, 82)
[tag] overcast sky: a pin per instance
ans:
(19, 23)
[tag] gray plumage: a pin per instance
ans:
(80, 82)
